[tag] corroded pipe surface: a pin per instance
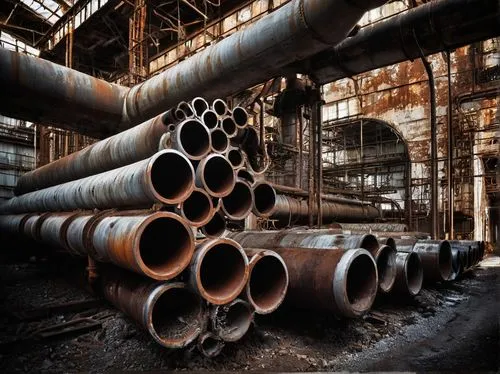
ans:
(235, 157)
(344, 282)
(198, 208)
(215, 227)
(238, 204)
(385, 257)
(199, 106)
(231, 322)
(166, 178)
(373, 227)
(474, 250)
(409, 274)
(12, 224)
(135, 144)
(267, 281)
(457, 264)
(215, 174)
(264, 199)
(210, 345)
(171, 313)
(219, 270)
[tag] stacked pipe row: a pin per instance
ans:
(154, 200)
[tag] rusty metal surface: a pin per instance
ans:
(231, 322)
(170, 312)
(219, 270)
(166, 178)
(427, 29)
(135, 144)
(215, 174)
(409, 274)
(267, 281)
(215, 227)
(264, 198)
(374, 227)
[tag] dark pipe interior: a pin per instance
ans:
(220, 142)
(197, 207)
(211, 345)
(239, 202)
(229, 126)
(195, 138)
(245, 175)
(240, 116)
(370, 243)
(218, 175)
(361, 283)
(235, 157)
(265, 198)
(216, 226)
(176, 314)
(386, 267)
(414, 273)
(210, 119)
(199, 106)
(186, 108)
(445, 260)
(219, 107)
(222, 270)
(268, 282)
(162, 258)
(237, 320)
(171, 176)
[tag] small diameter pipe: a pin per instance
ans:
(171, 313)
(210, 119)
(268, 280)
(215, 174)
(219, 270)
(409, 274)
(231, 321)
(245, 174)
(215, 227)
(210, 345)
(219, 140)
(385, 257)
(228, 125)
(235, 157)
(264, 199)
(238, 204)
(199, 106)
(220, 107)
(240, 117)
(198, 208)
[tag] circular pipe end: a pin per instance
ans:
(198, 208)
(220, 142)
(264, 199)
(414, 273)
(173, 315)
(386, 268)
(164, 246)
(220, 270)
(199, 106)
(171, 177)
(232, 321)
(445, 260)
(210, 345)
(210, 119)
(240, 117)
(268, 282)
(193, 139)
(215, 227)
(216, 175)
(355, 283)
(238, 204)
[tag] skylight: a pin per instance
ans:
(47, 9)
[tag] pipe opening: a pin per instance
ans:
(195, 139)
(470, 257)
(172, 176)
(235, 157)
(386, 267)
(210, 119)
(166, 259)
(445, 260)
(361, 283)
(171, 127)
(246, 175)
(219, 106)
(215, 227)
(391, 243)
(268, 284)
(370, 243)
(233, 321)
(265, 198)
(176, 317)
(180, 115)
(238, 204)
(197, 208)
(240, 116)
(218, 176)
(220, 142)
(222, 271)
(199, 105)
(414, 273)
(210, 345)
(229, 126)
(186, 108)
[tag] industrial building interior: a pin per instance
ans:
(271, 185)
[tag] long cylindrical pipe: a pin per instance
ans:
(171, 313)
(135, 144)
(409, 274)
(294, 211)
(231, 322)
(435, 255)
(385, 257)
(255, 54)
(166, 178)
(427, 29)
(219, 270)
(267, 281)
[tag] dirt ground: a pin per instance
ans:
(451, 327)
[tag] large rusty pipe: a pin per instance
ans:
(245, 174)
(219, 270)
(290, 210)
(215, 174)
(235, 157)
(166, 178)
(409, 274)
(427, 29)
(171, 313)
(457, 263)
(228, 125)
(240, 117)
(135, 144)
(474, 250)
(215, 227)
(435, 255)
(200, 106)
(231, 322)
(238, 204)
(344, 282)
(191, 137)
(52, 230)
(220, 141)
(267, 281)
(264, 199)
(198, 208)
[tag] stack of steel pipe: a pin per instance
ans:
(154, 200)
